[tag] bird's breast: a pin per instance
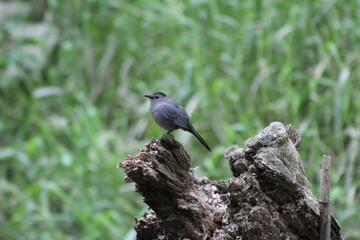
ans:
(162, 120)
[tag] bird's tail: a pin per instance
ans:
(197, 135)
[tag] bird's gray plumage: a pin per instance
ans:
(170, 115)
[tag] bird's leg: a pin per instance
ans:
(169, 132)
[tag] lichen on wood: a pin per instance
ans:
(269, 196)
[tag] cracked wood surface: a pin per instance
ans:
(269, 196)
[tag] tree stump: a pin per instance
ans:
(269, 196)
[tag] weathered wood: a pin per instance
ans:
(269, 196)
(325, 205)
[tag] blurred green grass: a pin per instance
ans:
(73, 75)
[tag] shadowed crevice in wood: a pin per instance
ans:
(269, 196)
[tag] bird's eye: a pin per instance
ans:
(157, 97)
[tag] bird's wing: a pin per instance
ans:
(176, 115)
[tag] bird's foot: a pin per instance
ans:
(169, 133)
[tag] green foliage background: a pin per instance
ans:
(73, 75)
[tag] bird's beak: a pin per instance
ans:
(149, 96)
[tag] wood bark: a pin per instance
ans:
(325, 210)
(268, 197)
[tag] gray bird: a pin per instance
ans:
(170, 115)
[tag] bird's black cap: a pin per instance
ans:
(155, 94)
